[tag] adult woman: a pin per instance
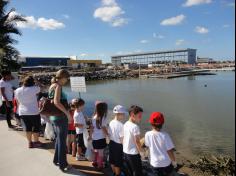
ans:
(26, 98)
(60, 123)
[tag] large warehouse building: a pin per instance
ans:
(45, 61)
(70, 61)
(185, 55)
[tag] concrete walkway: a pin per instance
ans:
(17, 160)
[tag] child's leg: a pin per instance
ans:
(79, 150)
(73, 145)
(95, 156)
(68, 143)
(117, 171)
(100, 158)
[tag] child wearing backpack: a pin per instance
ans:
(162, 158)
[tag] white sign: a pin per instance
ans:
(78, 84)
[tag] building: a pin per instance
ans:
(45, 61)
(184, 55)
(70, 61)
(205, 60)
(84, 63)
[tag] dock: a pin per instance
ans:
(178, 74)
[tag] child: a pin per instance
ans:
(116, 135)
(161, 147)
(99, 133)
(80, 125)
(131, 143)
(16, 112)
(71, 144)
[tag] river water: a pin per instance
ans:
(199, 111)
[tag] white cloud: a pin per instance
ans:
(179, 42)
(144, 41)
(190, 3)
(49, 24)
(201, 30)
(109, 3)
(232, 4)
(158, 36)
(43, 23)
(119, 22)
(83, 55)
(226, 26)
(111, 13)
(173, 20)
(66, 16)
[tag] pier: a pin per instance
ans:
(178, 74)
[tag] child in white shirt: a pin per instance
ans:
(80, 126)
(131, 143)
(99, 133)
(116, 134)
(162, 158)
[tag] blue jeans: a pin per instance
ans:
(61, 129)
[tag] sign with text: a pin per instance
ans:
(78, 84)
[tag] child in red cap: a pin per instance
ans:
(162, 158)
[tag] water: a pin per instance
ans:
(199, 111)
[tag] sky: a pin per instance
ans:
(98, 29)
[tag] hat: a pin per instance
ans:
(119, 109)
(157, 118)
(74, 100)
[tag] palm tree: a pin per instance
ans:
(8, 53)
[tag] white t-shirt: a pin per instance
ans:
(27, 99)
(116, 131)
(8, 89)
(131, 130)
(79, 119)
(159, 143)
(98, 133)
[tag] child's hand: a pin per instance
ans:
(174, 164)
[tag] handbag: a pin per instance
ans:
(48, 108)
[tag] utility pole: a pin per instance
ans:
(139, 70)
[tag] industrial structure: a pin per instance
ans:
(184, 55)
(84, 63)
(45, 61)
(66, 61)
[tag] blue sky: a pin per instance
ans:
(93, 29)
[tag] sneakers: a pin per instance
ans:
(95, 164)
(67, 168)
(30, 145)
(80, 158)
(37, 144)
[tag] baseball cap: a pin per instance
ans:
(74, 100)
(119, 109)
(157, 118)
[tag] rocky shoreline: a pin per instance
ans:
(45, 77)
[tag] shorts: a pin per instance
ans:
(134, 164)
(163, 170)
(99, 144)
(116, 154)
(32, 123)
(80, 140)
(72, 132)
